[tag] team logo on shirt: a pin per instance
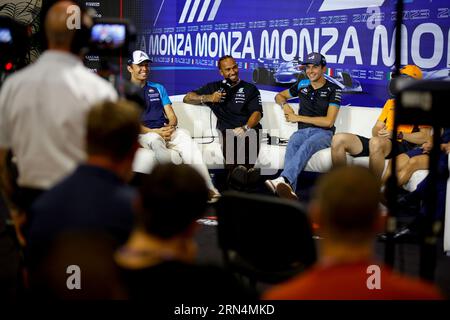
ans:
(153, 95)
(240, 96)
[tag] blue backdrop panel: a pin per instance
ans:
(185, 38)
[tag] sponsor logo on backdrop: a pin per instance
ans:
(270, 40)
(330, 5)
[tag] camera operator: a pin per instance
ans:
(43, 109)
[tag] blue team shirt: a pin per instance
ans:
(156, 97)
(315, 102)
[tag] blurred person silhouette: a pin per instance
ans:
(43, 109)
(346, 206)
(159, 131)
(157, 262)
(96, 195)
(320, 102)
(238, 108)
(79, 266)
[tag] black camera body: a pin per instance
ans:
(14, 45)
(111, 37)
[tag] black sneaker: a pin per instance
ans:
(238, 178)
(253, 177)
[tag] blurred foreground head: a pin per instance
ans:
(346, 205)
(113, 129)
(172, 198)
(79, 266)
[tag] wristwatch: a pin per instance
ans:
(400, 135)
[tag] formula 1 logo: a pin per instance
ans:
(191, 11)
(331, 5)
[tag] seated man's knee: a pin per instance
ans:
(413, 162)
(152, 140)
(339, 141)
(419, 162)
(377, 145)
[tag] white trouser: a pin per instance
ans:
(180, 149)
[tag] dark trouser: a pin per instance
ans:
(242, 151)
(26, 197)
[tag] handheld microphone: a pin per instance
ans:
(225, 85)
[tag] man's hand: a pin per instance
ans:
(216, 97)
(291, 117)
(166, 132)
(19, 219)
(445, 147)
(239, 132)
(383, 133)
(427, 146)
(287, 109)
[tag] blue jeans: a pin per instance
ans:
(302, 145)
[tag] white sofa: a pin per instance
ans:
(200, 122)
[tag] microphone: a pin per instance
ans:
(225, 85)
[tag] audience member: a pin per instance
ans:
(95, 196)
(158, 259)
(79, 266)
(346, 206)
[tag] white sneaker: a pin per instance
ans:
(272, 184)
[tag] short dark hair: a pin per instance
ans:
(223, 58)
(113, 129)
(348, 198)
(172, 197)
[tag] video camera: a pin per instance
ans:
(111, 38)
(14, 45)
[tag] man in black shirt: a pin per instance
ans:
(238, 108)
(319, 106)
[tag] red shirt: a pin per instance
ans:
(349, 281)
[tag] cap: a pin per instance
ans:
(412, 71)
(315, 58)
(138, 57)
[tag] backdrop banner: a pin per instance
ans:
(269, 39)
